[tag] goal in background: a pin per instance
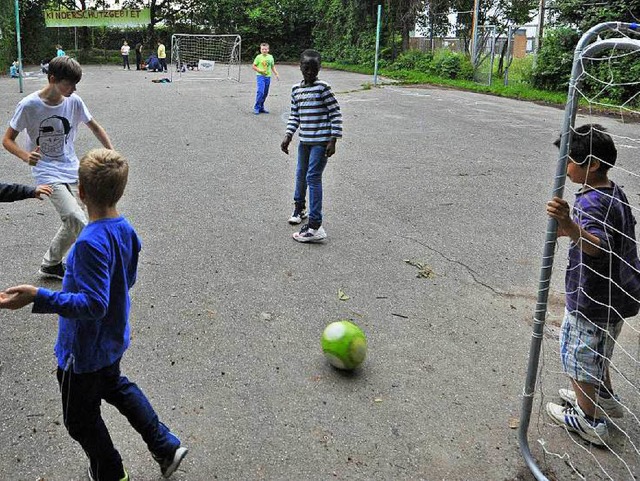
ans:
(205, 57)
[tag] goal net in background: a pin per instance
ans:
(205, 57)
(605, 77)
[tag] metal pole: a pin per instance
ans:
(493, 54)
(378, 28)
(17, 8)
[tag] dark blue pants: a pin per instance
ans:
(312, 159)
(82, 395)
(262, 90)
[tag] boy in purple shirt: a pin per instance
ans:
(93, 328)
(602, 284)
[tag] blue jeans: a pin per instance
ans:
(81, 399)
(312, 159)
(262, 91)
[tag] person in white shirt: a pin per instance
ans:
(51, 117)
(124, 50)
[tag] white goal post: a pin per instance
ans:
(205, 57)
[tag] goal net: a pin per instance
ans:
(205, 57)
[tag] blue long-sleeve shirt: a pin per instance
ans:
(93, 328)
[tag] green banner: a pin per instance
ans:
(126, 17)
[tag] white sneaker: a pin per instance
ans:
(307, 234)
(609, 406)
(572, 418)
(169, 465)
(297, 216)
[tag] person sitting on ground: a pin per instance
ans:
(153, 64)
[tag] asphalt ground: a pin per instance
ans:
(228, 309)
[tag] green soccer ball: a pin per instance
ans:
(344, 345)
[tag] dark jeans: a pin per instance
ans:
(81, 398)
(163, 64)
(125, 61)
(312, 159)
(262, 91)
(138, 60)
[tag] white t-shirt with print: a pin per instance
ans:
(124, 50)
(53, 128)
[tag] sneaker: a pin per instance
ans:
(572, 418)
(256, 112)
(609, 406)
(307, 234)
(297, 216)
(169, 465)
(93, 478)
(56, 270)
(264, 111)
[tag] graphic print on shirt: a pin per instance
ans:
(52, 136)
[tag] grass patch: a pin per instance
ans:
(519, 90)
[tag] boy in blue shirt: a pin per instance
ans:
(93, 327)
(602, 284)
(316, 115)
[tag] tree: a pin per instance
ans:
(585, 15)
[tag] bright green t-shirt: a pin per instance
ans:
(264, 62)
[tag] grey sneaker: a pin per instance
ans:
(609, 406)
(307, 234)
(572, 418)
(297, 216)
(169, 465)
(56, 271)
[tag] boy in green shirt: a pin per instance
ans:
(263, 64)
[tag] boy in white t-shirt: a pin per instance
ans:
(51, 117)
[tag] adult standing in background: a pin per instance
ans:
(162, 56)
(124, 50)
(138, 55)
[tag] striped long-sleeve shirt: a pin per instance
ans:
(315, 113)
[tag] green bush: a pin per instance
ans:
(451, 65)
(413, 60)
(553, 67)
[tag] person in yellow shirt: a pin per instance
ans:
(162, 56)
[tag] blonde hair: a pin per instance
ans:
(103, 174)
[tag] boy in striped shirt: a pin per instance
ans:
(315, 113)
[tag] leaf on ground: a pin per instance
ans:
(342, 295)
(514, 423)
(424, 271)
